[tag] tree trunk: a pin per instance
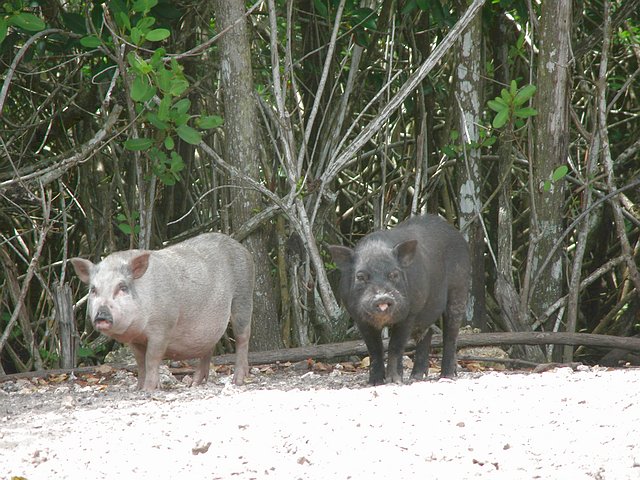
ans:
(551, 150)
(242, 149)
(468, 105)
(66, 325)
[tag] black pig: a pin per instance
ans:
(405, 279)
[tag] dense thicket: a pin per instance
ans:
(522, 128)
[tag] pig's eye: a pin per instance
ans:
(361, 277)
(395, 275)
(123, 288)
(92, 290)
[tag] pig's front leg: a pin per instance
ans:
(373, 339)
(152, 359)
(398, 341)
(139, 352)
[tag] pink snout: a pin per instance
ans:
(103, 319)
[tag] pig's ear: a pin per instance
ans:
(405, 252)
(139, 264)
(342, 256)
(82, 268)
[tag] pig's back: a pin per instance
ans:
(442, 247)
(203, 273)
(194, 283)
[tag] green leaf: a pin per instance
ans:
(321, 8)
(74, 22)
(497, 106)
(141, 90)
(122, 20)
(525, 112)
(153, 119)
(4, 27)
(188, 134)
(136, 36)
(449, 151)
(177, 164)
(143, 5)
(145, 24)
(27, 21)
(138, 144)
(138, 64)
(84, 352)
(559, 173)
(158, 34)
(489, 141)
(513, 88)
(365, 18)
(209, 121)
(182, 106)
(409, 7)
(178, 87)
(506, 97)
(90, 42)
(156, 58)
(164, 108)
(163, 79)
(524, 94)
(169, 143)
(125, 228)
(501, 118)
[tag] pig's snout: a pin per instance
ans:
(383, 302)
(103, 319)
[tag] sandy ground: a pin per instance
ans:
(561, 424)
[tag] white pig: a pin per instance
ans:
(174, 303)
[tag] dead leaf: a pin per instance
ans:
(322, 367)
(104, 369)
(474, 367)
(58, 378)
(348, 367)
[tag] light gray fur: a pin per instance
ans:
(180, 307)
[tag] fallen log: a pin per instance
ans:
(358, 347)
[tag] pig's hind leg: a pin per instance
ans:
(241, 324)
(201, 374)
(451, 326)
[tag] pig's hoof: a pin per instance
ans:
(376, 381)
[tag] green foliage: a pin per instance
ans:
(557, 175)
(439, 12)
(361, 21)
(127, 225)
(91, 354)
(454, 148)
(509, 106)
(157, 84)
(13, 14)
